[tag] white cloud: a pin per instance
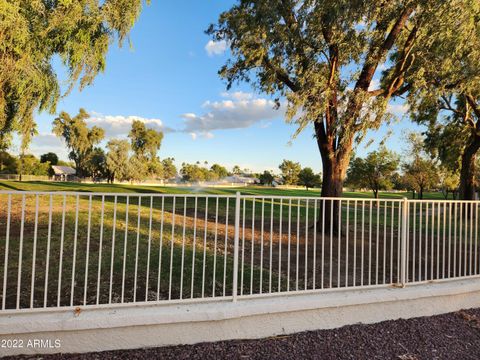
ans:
(215, 47)
(46, 140)
(203, 134)
(242, 110)
(398, 110)
(119, 125)
(237, 95)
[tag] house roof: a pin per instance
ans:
(240, 179)
(63, 170)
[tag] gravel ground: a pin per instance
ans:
(450, 336)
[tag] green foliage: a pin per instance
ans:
(266, 178)
(398, 182)
(8, 163)
(420, 175)
(449, 181)
(153, 167)
(447, 96)
(196, 173)
(236, 170)
(30, 165)
(145, 144)
(51, 157)
(169, 168)
(5, 141)
(218, 171)
(137, 170)
(308, 178)
(79, 139)
(373, 172)
(96, 164)
(117, 159)
(33, 32)
(290, 171)
(420, 172)
(123, 167)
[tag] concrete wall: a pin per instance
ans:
(97, 329)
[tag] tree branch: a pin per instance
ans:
(476, 110)
(375, 53)
(281, 75)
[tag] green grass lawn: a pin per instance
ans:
(250, 190)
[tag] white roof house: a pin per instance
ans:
(63, 170)
(237, 179)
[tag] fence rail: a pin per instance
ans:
(69, 249)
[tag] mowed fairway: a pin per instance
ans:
(97, 249)
(250, 190)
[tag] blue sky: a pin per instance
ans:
(169, 79)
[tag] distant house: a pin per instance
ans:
(237, 179)
(63, 173)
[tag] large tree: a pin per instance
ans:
(196, 173)
(96, 164)
(34, 32)
(8, 163)
(449, 181)
(218, 171)
(420, 172)
(454, 135)
(375, 171)
(169, 168)
(323, 57)
(145, 144)
(117, 160)
(30, 165)
(290, 171)
(79, 139)
(448, 101)
(307, 178)
(266, 178)
(51, 157)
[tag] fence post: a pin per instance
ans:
(403, 253)
(235, 246)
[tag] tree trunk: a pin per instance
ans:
(445, 195)
(467, 172)
(22, 155)
(335, 165)
(332, 179)
(420, 193)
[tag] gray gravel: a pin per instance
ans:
(450, 336)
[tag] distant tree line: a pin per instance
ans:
(198, 173)
(291, 173)
(420, 171)
(28, 164)
(134, 159)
